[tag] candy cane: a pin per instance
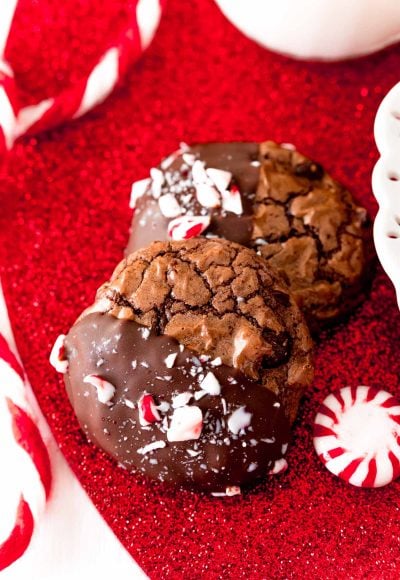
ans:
(89, 91)
(7, 10)
(8, 107)
(8, 99)
(24, 459)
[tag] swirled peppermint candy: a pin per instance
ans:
(357, 435)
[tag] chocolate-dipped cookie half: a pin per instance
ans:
(190, 365)
(273, 199)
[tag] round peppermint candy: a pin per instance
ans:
(357, 436)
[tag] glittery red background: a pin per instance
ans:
(64, 223)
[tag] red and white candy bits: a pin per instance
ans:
(357, 436)
(147, 410)
(280, 466)
(186, 227)
(105, 390)
(186, 424)
(232, 200)
(139, 188)
(57, 358)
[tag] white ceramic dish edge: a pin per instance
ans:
(315, 29)
(386, 186)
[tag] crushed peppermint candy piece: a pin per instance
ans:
(200, 394)
(148, 412)
(240, 419)
(181, 400)
(184, 147)
(129, 403)
(207, 195)
(357, 435)
(151, 447)
(186, 227)
(229, 491)
(192, 452)
(170, 360)
(157, 177)
(163, 407)
(170, 159)
(199, 173)
(169, 206)
(233, 490)
(210, 384)
(217, 362)
(105, 390)
(220, 178)
(57, 356)
(224, 406)
(139, 188)
(232, 200)
(189, 158)
(186, 424)
(279, 466)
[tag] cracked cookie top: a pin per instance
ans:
(190, 364)
(273, 199)
(220, 299)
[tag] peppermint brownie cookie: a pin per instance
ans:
(190, 364)
(273, 199)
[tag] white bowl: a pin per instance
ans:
(386, 186)
(317, 29)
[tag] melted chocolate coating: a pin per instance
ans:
(304, 223)
(132, 359)
(240, 159)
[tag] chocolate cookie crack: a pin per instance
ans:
(288, 202)
(174, 293)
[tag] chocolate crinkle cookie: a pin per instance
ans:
(273, 199)
(190, 364)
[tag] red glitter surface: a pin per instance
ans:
(63, 226)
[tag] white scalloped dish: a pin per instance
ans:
(386, 186)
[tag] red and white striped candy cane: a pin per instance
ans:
(8, 107)
(25, 464)
(8, 101)
(89, 91)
